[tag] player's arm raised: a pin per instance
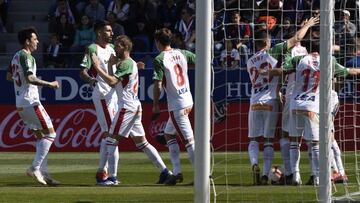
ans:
(109, 79)
(354, 71)
(299, 35)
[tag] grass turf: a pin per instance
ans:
(76, 171)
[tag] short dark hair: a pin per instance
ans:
(25, 34)
(100, 25)
(163, 36)
(260, 38)
(125, 41)
(312, 45)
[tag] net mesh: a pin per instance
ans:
(235, 24)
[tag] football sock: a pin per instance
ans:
(337, 157)
(285, 154)
(152, 154)
(268, 157)
(103, 155)
(309, 150)
(294, 156)
(42, 148)
(190, 148)
(174, 155)
(43, 166)
(315, 160)
(113, 156)
(253, 152)
(332, 160)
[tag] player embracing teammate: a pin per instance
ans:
(264, 104)
(304, 104)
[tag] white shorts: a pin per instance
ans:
(285, 119)
(127, 123)
(105, 110)
(179, 123)
(263, 118)
(302, 125)
(35, 117)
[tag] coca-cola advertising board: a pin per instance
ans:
(75, 120)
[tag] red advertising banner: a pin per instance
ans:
(77, 128)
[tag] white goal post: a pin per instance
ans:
(326, 40)
(202, 101)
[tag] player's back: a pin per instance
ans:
(127, 88)
(26, 94)
(306, 91)
(175, 66)
(264, 87)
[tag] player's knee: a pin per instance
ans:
(171, 142)
(169, 137)
(189, 142)
(268, 140)
(139, 139)
(142, 145)
(255, 139)
(294, 139)
(314, 143)
(284, 134)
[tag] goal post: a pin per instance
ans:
(202, 101)
(326, 40)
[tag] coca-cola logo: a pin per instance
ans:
(74, 128)
(157, 126)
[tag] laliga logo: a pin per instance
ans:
(78, 129)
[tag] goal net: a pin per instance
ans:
(235, 25)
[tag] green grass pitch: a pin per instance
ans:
(76, 171)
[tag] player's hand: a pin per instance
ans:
(312, 21)
(113, 60)
(54, 84)
(140, 65)
(95, 60)
(263, 72)
(92, 82)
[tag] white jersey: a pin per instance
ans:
(306, 91)
(297, 50)
(26, 94)
(172, 67)
(264, 87)
(127, 88)
(103, 53)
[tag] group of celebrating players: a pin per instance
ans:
(113, 74)
(299, 65)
